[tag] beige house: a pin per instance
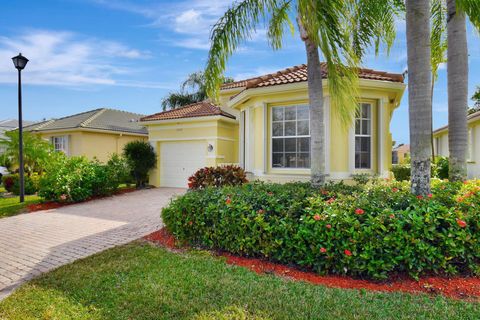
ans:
(473, 156)
(97, 133)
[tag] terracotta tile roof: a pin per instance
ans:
(299, 74)
(199, 109)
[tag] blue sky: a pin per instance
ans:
(128, 54)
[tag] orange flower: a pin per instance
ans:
(395, 189)
(331, 200)
(430, 195)
(347, 252)
(323, 250)
(228, 201)
(317, 217)
(461, 223)
(359, 211)
(392, 216)
(420, 197)
(329, 226)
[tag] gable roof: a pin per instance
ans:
(299, 74)
(194, 110)
(11, 124)
(470, 118)
(100, 119)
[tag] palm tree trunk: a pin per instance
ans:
(457, 72)
(419, 93)
(317, 121)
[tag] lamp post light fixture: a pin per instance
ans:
(20, 62)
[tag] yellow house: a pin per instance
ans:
(97, 133)
(473, 156)
(263, 125)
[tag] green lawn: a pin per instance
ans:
(139, 281)
(12, 206)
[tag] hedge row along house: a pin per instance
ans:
(263, 124)
(97, 133)
(473, 155)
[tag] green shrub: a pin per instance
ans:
(77, 179)
(374, 231)
(120, 169)
(401, 172)
(441, 167)
(217, 177)
(141, 158)
(12, 183)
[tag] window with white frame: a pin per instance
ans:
(470, 156)
(60, 143)
(290, 137)
(363, 137)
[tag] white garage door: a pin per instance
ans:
(179, 160)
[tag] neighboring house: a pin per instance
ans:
(11, 124)
(473, 156)
(263, 125)
(97, 133)
(400, 153)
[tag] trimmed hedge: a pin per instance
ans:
(372, 231)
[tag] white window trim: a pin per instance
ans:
(470, 146)
(65, 143)
(270, 151)
(355, 135)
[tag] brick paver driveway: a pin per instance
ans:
(31, 244)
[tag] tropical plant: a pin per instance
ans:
(476, 99)
(37, 153)
(419, 93)
(141, 158)
(217, 177)
(342, 30)
(191, 90)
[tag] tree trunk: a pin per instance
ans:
(317, 121)
(457, 72)
(419, 93)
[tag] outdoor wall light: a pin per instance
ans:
(210, 148)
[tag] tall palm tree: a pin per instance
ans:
(191, 90)
(419, 92)
(341, 29)
(457, 73)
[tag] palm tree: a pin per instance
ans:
(419, 92)
(341, 29)
(191, 90)
(457, 68)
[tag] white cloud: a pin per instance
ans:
(67, 59)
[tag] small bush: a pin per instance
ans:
(12, 184)
(373, 231)
(77, 179)
(441, 167)
(8, 182)
(401, 172)
(217, 177)
(141, 158)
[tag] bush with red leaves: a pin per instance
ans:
(217, 177)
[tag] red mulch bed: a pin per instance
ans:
(53, 205)
(454, 287)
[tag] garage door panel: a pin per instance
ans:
(179, 160)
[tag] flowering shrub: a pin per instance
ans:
(77, 179)
(12, 183)
(217, 177)
(373, 231)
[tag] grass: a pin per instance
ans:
(11, 206)
(140, 281)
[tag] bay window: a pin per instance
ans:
(290, 137)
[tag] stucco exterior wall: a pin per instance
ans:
(339, 137)
(100, 145)
(219, 132)
(473, 160)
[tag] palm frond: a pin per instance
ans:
(236, 26)
(438, 40)
(472, 10)
(278, 22)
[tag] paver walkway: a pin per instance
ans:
(34, 243)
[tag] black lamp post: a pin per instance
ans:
(20, 62)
